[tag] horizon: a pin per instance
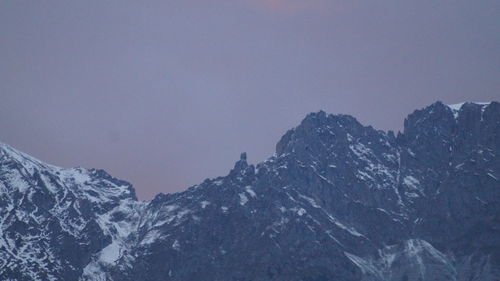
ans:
(25, 154)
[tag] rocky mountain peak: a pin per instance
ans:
(318, 129)
(338, 201)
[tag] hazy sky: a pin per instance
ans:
(167, 93)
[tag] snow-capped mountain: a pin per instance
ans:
(337, 201)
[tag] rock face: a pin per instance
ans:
(337, 201)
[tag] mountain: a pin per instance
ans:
(337, 201)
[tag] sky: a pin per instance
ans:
(165, 93)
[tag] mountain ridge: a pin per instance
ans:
(337, 201)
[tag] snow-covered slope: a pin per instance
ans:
(52, 220)
(337, 201)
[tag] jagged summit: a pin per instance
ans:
(315, 126)
(458, 106)
(9, 153)
(338, 201)
(455, 109)
(13, 160)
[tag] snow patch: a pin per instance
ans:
(243, 199)
(455, 108)
(301, 211)
(412, 194)
(204, 204)
(250, 191)
(492, 176)
(151, 237)
(342, 226)
(364, 265)
(176, 245)
(412, 182)
(111, 253)
(310, 200)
